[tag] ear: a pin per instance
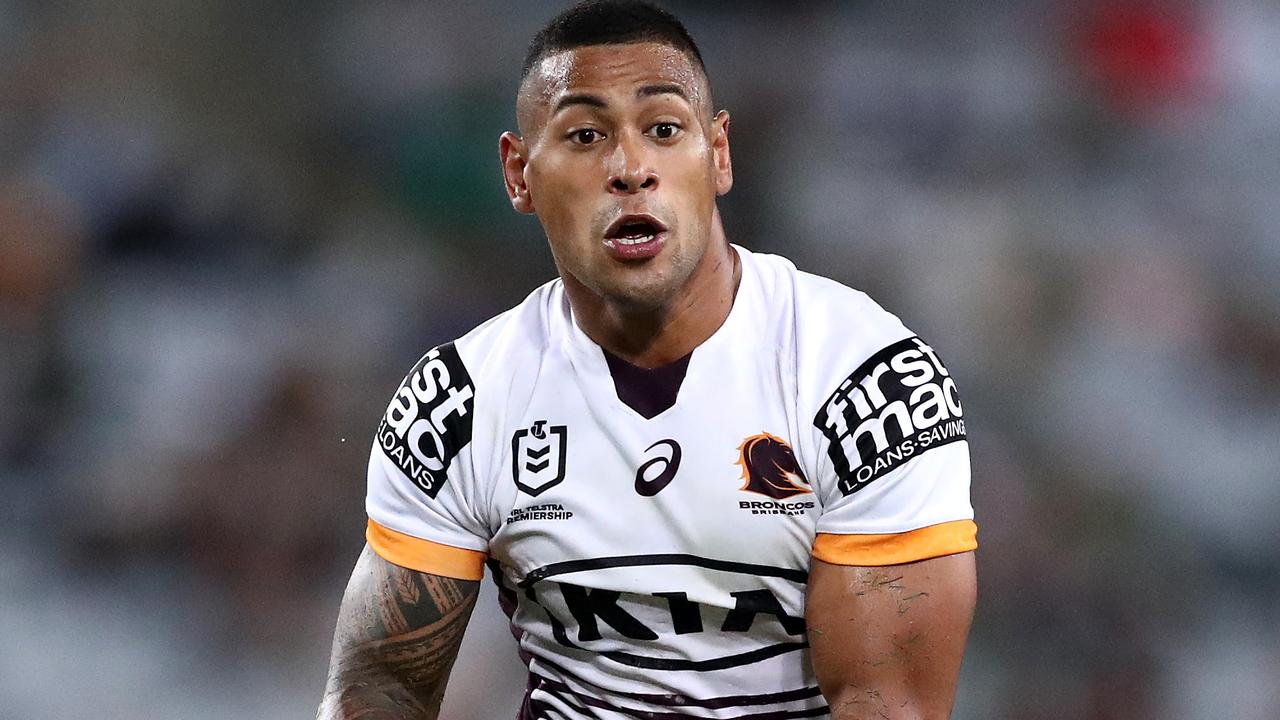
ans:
(720, 152)
(514, 154)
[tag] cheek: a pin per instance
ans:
(694, 167)
(558, 196)
(563, 177)
(567, 168)
(695, 183)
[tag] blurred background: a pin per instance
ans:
(228, 228)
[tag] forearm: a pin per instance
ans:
(395, 682)
(397, 636)
(352, 701)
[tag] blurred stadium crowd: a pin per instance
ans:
(228, 228)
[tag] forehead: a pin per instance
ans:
(600, 66)
(601, 69)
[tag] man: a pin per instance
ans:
(707, 484)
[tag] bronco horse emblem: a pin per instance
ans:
(769, 467)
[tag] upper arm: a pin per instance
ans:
(397, 637)
(887, 641)
(892, 586)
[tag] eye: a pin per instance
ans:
(664, 131)
(586, 136)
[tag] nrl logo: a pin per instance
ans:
(537, 457)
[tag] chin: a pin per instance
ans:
(639, 288)
(638, 299)
(652, 287)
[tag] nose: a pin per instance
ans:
(632, 170)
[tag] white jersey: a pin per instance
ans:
(656, 566)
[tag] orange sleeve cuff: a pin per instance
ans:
(424, 555)
(946, 538)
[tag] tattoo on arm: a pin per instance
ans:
(397, 636)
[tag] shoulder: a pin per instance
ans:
(495, 349)
(832, 315)
(843, 339)
(495, 346)
(821, 316)
(446, 397)
(875, 392)
(823, 330)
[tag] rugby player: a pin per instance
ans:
(707, 484)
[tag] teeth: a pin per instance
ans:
(634, 240)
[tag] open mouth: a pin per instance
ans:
(631, 230)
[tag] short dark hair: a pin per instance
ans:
(609, 22)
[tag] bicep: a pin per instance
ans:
(397, 636)
(887, 641)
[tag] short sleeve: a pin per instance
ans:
(422, 488)
(893, 460)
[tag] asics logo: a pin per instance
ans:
(657, 473)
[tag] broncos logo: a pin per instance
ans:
(770, 468)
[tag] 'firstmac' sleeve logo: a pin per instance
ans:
(429, 419)
(898, 404)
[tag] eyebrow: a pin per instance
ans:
(596, 101)
(579, 99)
(663, 89)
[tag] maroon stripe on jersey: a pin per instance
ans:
(795, 575)
(673, 700)
(720, 663)
(526, 705)
(538, 710)
(647, 391)
(563, 693)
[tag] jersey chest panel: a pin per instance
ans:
(687, 535)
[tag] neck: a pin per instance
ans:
(654, 337)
